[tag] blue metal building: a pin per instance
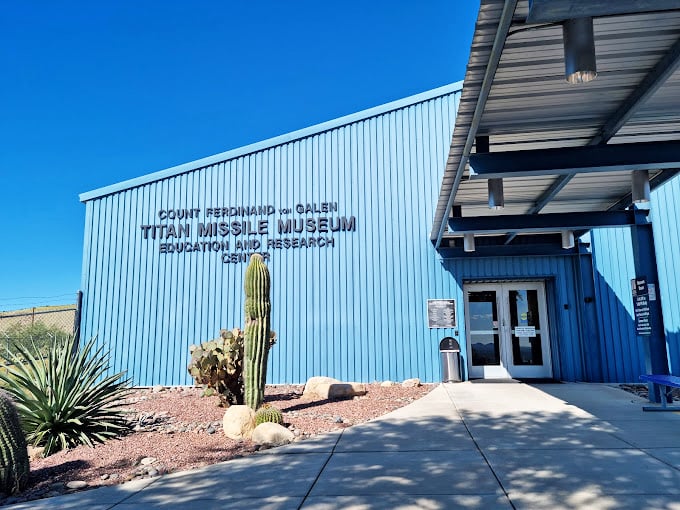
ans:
(165, 254)
(379, 234)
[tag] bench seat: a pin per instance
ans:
(665, 382)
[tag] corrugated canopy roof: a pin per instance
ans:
(515, 93)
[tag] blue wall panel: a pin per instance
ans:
(666, 218)
(356, 311)
(622, 350)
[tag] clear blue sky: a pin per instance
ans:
(93, 93)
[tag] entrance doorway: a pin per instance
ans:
(507, 330)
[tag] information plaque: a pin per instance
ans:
(641, 306)
(441, 313)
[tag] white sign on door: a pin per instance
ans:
(525, 331)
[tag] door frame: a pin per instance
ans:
(507, 369)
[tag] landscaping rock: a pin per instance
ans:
(346, 390)
(238, 422)
(76, 484)
(146, 461)
(332, 389)
(35, 452)
(312, 384)
(386, 384)
(272, 434)
(411, 383)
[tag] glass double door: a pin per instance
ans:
(507, 330)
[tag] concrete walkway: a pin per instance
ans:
(467, 445)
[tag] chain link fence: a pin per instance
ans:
(39, 326)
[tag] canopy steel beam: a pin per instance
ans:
(543, 222)
(573, 160)
(513, 250)
(551, 11)
(663, 69)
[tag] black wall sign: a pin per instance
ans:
(441, 313)
(640, 289)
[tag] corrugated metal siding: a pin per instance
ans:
(622, 352)
(561, 290)
(356, 311)
(666, 218)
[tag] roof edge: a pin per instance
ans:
(272, 142)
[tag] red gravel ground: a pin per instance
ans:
(183, 430)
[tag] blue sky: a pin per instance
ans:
(93, 93)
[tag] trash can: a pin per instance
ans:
(449, 351)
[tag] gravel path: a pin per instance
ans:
(175, 429)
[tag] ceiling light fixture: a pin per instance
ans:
(579, 50)
(496, 198)
(468, 243)
(640, 183)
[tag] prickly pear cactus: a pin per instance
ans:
(257, 331)
(268, 413)
(14, 466)
(218, 366)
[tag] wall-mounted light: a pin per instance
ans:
(496, 199)
(640, 183)
(567, 239)
(468, 242)
(579, 50)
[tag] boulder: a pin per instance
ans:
(346, 390)
(411, 383)
(238, 422)
(386, 384)
(333, 389)
(272, 434)
(310, 390)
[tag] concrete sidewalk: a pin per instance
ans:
(468, 445)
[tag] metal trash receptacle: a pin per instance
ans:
(449, 351)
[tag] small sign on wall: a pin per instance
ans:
(641, 298)
(441, 313)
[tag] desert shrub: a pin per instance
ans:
(65, 398)
(38, 336)
(217, 365)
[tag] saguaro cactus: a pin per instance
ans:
(257, 331)
(14, 466)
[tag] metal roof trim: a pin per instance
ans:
(273, 142)
(477, 83)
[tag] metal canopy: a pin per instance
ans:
(516, 94)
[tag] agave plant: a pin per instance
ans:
(65, 398)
